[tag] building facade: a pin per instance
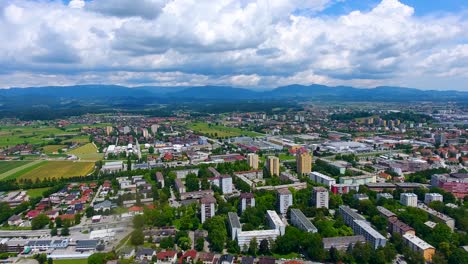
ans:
(252, 160)
(303, 163)
(409, 199)
(320, 197)
(299, 220)
(284, 201)
(207, 207)
(273, 165)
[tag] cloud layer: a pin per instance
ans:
(248, 43)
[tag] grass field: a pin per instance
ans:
(53, 148)
(18, 171)
(221, 131)
(87, 152)
(58, 169)
(33, 193)
(11, 136)
(9, 165)
(71, 261)
(78, 139)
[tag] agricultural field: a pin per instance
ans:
(49, 149)
(9, 165)
(87, 152)
(11, 136)
(15, 172)
(221, 131)
(58, 169)
(78, 139)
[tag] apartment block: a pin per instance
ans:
(320, 197)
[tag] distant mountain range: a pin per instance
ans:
(296, 92)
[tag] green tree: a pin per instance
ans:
(200, 244)
(77, 219)
(137, 238)
(191, 182)
(65, 231)
(53, 231)
(58, 222)
(138, 221)
(184, 243)
(167, 243)
(39, 222)
(264, 247)
(253, 247)
(217, 233)
(151, 150)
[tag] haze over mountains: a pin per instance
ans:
(297, 92)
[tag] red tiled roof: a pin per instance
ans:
(135, 209)
(166, 254)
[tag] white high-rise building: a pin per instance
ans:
(320, 197)
(207, 207)
(246, 200)
(409, 199)
(226, 184)
(285, 200)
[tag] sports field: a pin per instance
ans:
(58, 169)
(87, 152)
(221, 131)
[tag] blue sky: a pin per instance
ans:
(422, 7)
(245, 43)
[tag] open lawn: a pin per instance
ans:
(9, 165)
(87, 152)
(11, 136)
(34, 193)
(71, 261)
(221, 131)
(59, 169)
(52, 148)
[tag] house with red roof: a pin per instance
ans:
(134, 210)
(188, 256)
(52, 214)
(32, 214)
(169, 256)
